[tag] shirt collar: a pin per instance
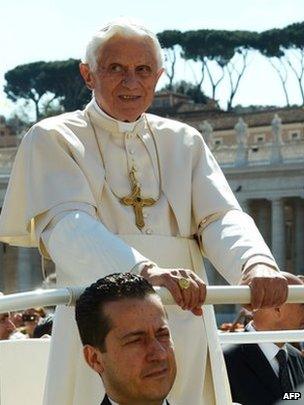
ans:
(101, 118)
(112, 402)
(115, 403)
(269, 349)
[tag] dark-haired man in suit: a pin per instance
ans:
(260, 374)
(126, 340)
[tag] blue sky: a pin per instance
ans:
(47, 30)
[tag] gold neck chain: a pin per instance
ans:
(134, 199)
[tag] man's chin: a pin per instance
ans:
(157, 389)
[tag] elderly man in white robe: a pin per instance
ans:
(113, 189)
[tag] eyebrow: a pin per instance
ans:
(138, 333)
(133, 334)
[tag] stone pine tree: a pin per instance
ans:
(28, 82)
(67, 84)
(170, 41)
(271, 44)
(295, 42)
(46, 82)
(219, 47)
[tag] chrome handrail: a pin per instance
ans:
(260, 337)
(67, 296)
(215, 295)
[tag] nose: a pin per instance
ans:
(156, 351)
(130, 80)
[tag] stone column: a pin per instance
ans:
(262, 220)
(278, 231)
(245, 204)
(299, 237)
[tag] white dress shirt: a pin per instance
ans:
(270, 350)
(115, 403)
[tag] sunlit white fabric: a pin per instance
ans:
(235, 232)
(59, 169)
(80, 242)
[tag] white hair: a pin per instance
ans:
(121, 27)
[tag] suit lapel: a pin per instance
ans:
(261, 368)
(296, 367)
(106, 401)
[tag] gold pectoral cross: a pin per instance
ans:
(136, 201)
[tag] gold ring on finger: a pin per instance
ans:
(184, 283)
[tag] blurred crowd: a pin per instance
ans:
(30, 323)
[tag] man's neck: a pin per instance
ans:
(114, 118)
(139, 402)
(260, 328)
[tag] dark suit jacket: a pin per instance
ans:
(107, 402)
(252, 379)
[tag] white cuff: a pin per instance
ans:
(259, 259)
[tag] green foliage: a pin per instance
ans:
(220, 46)
(169, 38)
(295, 35)
(217, 45)
(44, 82)
(28, 82)
(67, 84)
(271, 43)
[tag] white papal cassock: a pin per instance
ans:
(66, 182)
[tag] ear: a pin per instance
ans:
(87, 75)
(277, 311)
(93, 357)
(159, 73)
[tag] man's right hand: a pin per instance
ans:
(191, 298)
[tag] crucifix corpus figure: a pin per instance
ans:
(136, 201)
(70, 177)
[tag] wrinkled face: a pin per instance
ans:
(138, 365)
(6, 326)
(292, 316)
(125, 78)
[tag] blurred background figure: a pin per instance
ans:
(238, 325)
(260, 374)
(6, 325)
(16, 318)
(31, 318)
(44, 329)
